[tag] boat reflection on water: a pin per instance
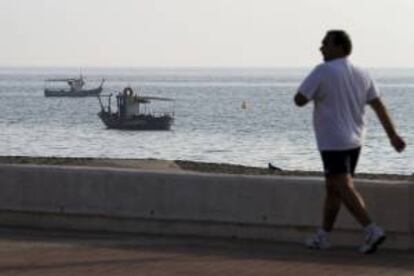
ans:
(133, 113)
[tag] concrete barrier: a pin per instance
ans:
(256, 207)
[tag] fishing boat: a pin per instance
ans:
(133, 112)
(75, 89)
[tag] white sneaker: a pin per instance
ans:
(374, 237)
(318, 241)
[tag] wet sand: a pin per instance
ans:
(178, 165)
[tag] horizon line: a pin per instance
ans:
(180, 67)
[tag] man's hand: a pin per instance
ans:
(300, 100)
(398, 143)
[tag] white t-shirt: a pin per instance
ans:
(340, 92)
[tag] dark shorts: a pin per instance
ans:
(340, 161)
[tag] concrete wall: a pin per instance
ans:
(257, 207)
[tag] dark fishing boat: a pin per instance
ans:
(132, 112)
(75, 88)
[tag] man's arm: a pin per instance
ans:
(379, 108)
(300, 100)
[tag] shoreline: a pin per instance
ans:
(179, 165)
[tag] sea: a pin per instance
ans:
(242, 116)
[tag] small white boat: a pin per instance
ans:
(75, 88)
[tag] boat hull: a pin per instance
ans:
(68, 93)
(140, 122)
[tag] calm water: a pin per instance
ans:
(210, 124)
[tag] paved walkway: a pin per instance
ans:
(34, 252)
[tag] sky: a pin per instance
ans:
(201, 33)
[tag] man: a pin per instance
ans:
(340, 92)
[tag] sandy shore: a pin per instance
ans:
(177, 165)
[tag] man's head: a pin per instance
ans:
(336, 44)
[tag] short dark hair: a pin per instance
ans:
(341, 38)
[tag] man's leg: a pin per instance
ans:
(330, 211)
(354, 202)
(375, 235)
(332, 205)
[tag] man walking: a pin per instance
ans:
(340, 92)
